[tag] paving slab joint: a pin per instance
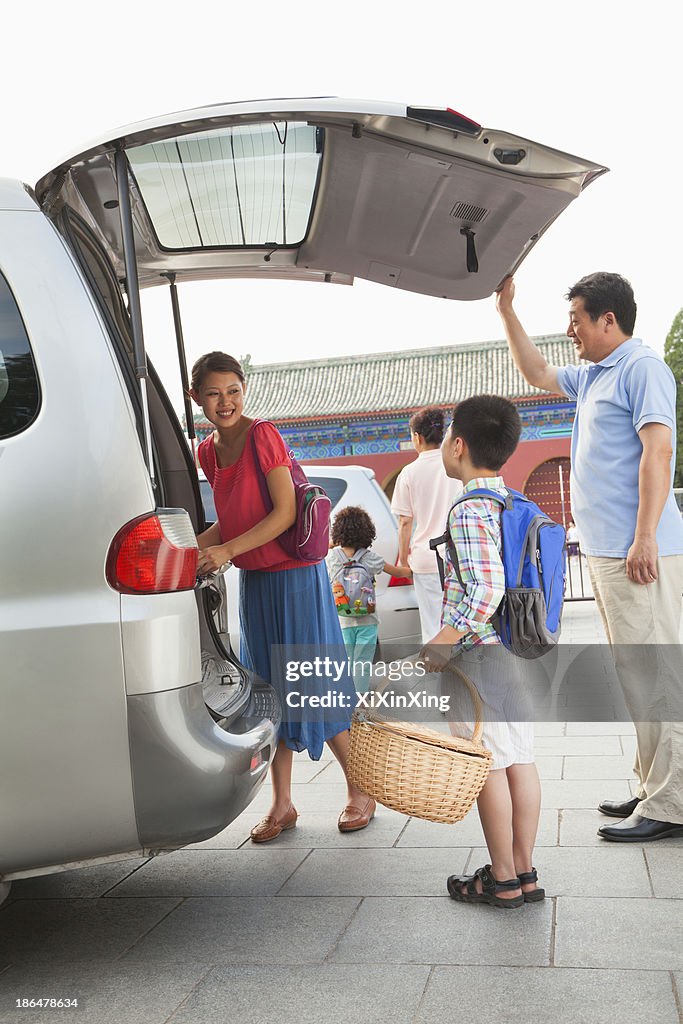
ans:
(421, 1000)
(470, 855)
(324, 768)
(172, 910)
(647, 869)
(327, 959)
(300, 864)
(553, 931)
(677, 996)
(125, 877)
(401, 833)
(192, 991)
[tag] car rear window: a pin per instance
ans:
(245, 185)
(19, 388)
(335, 487)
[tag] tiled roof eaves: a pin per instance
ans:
(398, 354)
(394, 382)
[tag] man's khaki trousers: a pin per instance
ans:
(642, 624)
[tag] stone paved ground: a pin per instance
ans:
(321, 927)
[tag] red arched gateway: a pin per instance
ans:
(548, 486)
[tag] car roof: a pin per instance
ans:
(321, 189)
(341, 472)
(15, 196)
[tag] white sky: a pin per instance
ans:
(599, 79)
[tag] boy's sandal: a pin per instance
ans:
(490, 886)
(536, 895)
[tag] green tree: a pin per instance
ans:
(673, 356)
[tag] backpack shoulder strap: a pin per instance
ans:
(504, 500)
(206, 456)
(356, 561)
(298, 474)
(261, 477)
(340, 566)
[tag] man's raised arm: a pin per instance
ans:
(528, 360)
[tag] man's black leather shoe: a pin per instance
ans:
(619, 808)
(637, 829)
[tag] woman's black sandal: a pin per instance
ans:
(536, 895)
(490, 886)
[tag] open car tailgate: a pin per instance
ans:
(322, 189)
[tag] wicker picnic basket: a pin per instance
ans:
(416, 770)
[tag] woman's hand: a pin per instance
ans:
(212, 558)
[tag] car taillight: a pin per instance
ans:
(447, 118)
(399, 581)
(154, 554)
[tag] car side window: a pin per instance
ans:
(19, 387)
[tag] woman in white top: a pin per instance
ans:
(422, 499)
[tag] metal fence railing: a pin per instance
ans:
(578, 580)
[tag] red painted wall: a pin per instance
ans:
(516, 471)
(530, 454)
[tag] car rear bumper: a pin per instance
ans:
(191, 775)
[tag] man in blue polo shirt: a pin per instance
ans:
(623, 442)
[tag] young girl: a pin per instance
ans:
(353, 532)
(282, 600)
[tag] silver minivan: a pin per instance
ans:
(128, 726)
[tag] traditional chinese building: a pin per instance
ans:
(355, 409)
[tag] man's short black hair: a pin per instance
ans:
(490, 427)
(603, 293)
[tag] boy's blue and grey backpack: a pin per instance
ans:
(533, 554)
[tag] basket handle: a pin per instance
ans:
(474, 694)
(476, 701)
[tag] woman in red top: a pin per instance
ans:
(282, 601)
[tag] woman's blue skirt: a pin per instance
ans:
(288, 619)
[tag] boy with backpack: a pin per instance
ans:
(352, 566)
(483, 435)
